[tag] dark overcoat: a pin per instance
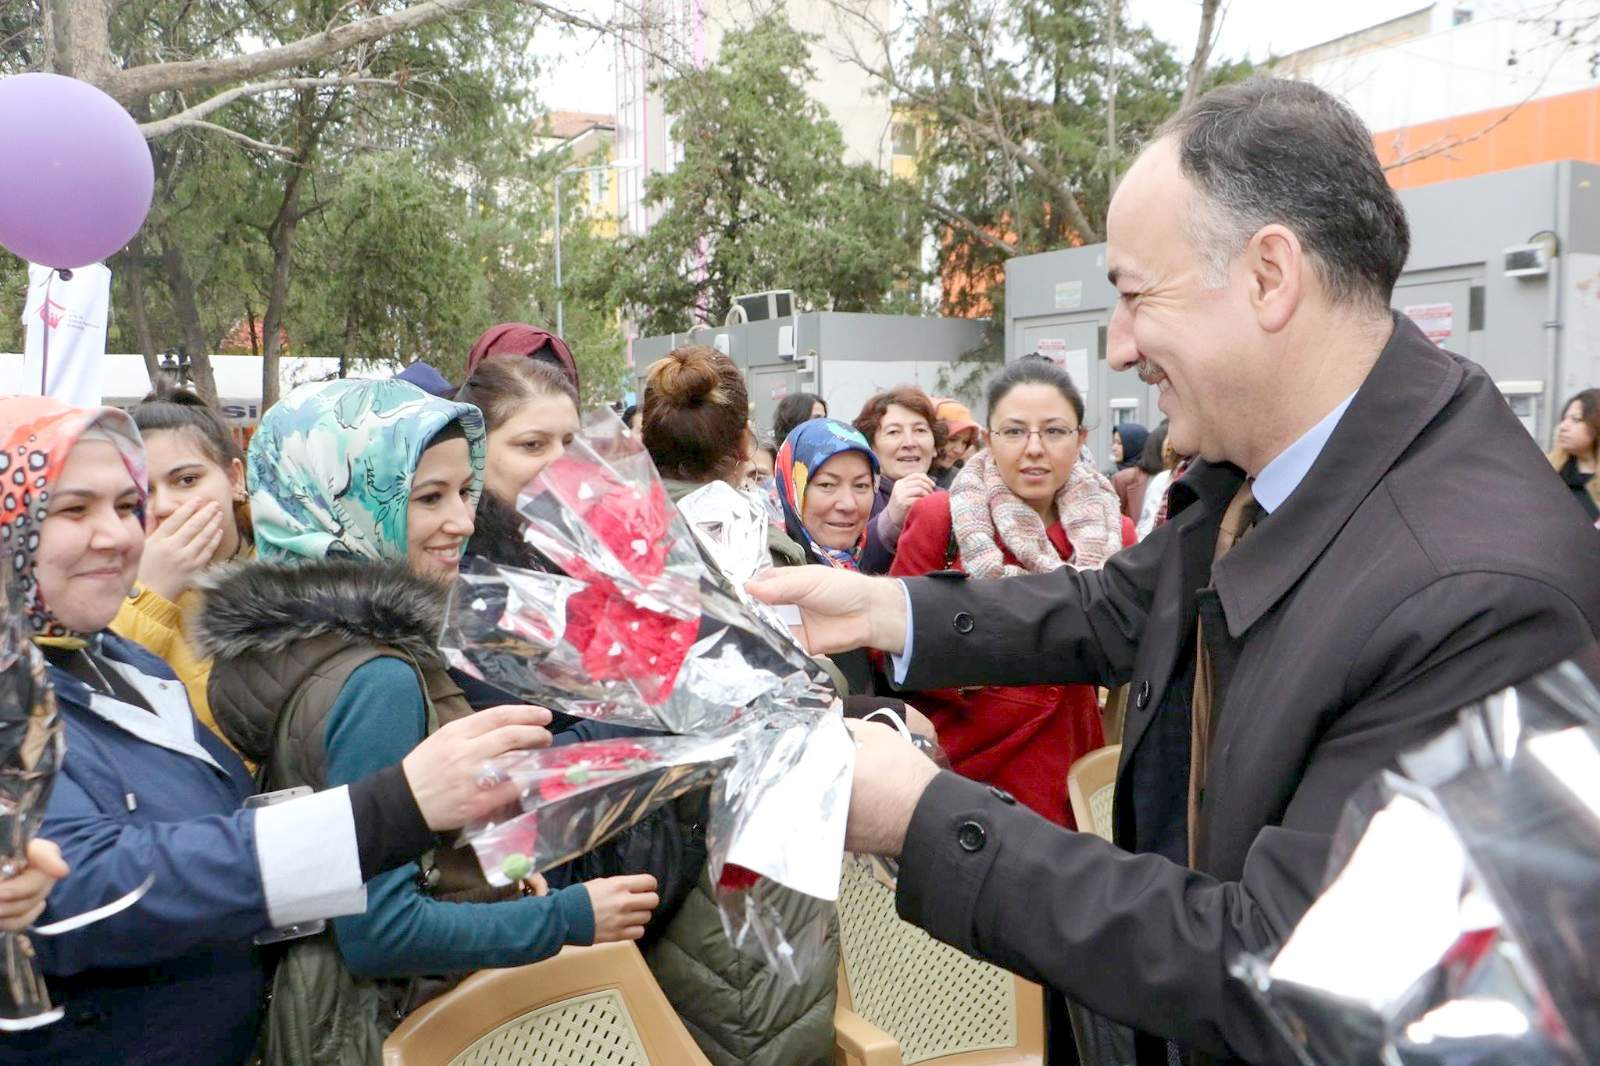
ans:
(1429, 557)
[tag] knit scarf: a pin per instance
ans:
(36, 436)
(982, 507)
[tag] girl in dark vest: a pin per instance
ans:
(325, 668)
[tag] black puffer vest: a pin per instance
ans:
(284, 641)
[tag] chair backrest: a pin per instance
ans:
(1091, 786)
(935, 1001)
(595, 1006)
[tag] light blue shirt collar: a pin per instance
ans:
(1283, 475)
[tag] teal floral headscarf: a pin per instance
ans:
(330, 467)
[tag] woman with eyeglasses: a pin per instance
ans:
(1030, 503)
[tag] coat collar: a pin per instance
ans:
(1409, 385)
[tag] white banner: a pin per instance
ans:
(71, 314)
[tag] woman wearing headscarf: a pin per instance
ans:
(520, 340)
(1127, 445)
(1031, 503)
(326, 667)
(144, 792)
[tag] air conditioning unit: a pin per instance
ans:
(760, 306)
(1527, 260)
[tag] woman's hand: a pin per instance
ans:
(446, 771)
(907, 491)
(178, 549)
(22, 895)
(622, 906)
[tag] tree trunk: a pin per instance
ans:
(1202, 50)
(133, 270)
(79, 39)
(195, 341)
(1111, 97)
(280, 235)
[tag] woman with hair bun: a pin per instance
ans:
(695, 410)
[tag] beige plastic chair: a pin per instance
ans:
(1091, 784)
(906, 998)
(595, 1006)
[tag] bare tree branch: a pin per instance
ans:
(140, 82)
(191, 116)
(244, 139)
(1204, 42)
(973, 230)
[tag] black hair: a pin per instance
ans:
(1150, 460)
(794, 409)
(1035, 370)
(169, 408)
(1324, 182)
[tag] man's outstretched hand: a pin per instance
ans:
(840, 610)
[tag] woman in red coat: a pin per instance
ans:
(1032, 502)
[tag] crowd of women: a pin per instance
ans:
(219, 624)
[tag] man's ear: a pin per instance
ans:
(1277, 263)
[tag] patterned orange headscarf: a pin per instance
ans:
(36, 436)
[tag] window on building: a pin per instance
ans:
(904, 137)
(597, 187)
(1461, 16)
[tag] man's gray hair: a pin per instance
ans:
(1270, 150)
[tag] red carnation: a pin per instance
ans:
(736, 878)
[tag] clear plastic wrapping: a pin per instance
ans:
(1462, 922)
(647, 625)
(31, 746)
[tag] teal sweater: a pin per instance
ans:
(376, 721)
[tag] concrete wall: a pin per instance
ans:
(1058, 304)
(1454, 283)
(842, 357)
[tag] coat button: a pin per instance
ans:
(971, 836)
(963, 622)
(1001, 794)
(1143, 696)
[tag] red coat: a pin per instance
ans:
(1024, 738)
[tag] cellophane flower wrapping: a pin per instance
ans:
(647, 624)
(571, 799)
(31, 747)
(1461, 923)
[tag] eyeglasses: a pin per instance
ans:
(1053, 437)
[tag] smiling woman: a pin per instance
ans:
(1032, 503)
(327, 667)
(899, 425)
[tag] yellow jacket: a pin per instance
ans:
(150, 619)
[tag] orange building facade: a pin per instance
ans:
(1545, 130)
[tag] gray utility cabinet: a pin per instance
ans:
(1538, 335)
(842, 357)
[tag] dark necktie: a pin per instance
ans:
(1241, 514)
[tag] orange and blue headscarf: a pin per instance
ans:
(36, 436)
(801, 456)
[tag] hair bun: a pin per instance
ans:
(687, 377)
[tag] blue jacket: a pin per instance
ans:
(173, 979)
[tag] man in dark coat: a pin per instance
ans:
(1411, 551)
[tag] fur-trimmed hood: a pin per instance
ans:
(264, 608)
(272, 628)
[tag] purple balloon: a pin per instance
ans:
(77, 178)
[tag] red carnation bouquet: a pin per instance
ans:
(571, 799)
(634, 623)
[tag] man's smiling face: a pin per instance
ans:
(1195, 339)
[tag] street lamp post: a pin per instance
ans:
(621, 164)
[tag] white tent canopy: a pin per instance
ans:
(238, 379)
